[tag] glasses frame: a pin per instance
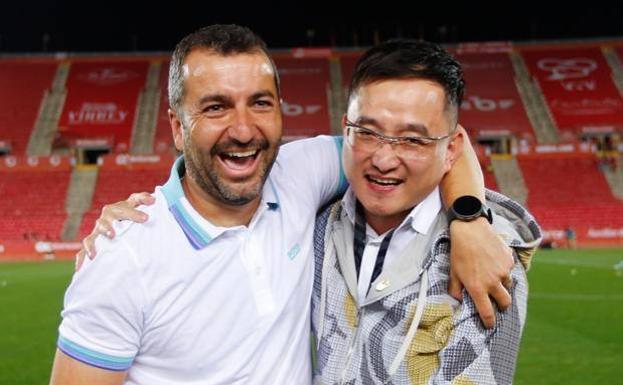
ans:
(409, 141)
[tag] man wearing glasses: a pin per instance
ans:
(381, 311)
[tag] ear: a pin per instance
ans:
(177, 129)
(455, 147)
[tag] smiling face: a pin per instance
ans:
(389, 186)
(229, 124)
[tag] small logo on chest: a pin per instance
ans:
(294, 251)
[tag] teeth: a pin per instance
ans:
(385, 182)
(240, 154)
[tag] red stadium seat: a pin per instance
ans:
(570, 192)
(33, 204)
(22, 86)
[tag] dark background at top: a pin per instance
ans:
(103, 26)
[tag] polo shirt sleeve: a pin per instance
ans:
(103, 309)
(316, 165)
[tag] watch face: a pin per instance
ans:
(467, 205)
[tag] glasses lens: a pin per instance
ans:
(364, 139)
(367, 140)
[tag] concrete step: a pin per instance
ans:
(79, 198)
(144, 128)
(509, 178)
(615, 178)
(534, 103)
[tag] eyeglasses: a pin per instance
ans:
(365, 139)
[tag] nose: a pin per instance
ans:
(242, 128)
(384, 158)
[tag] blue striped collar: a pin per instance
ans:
(196, 234)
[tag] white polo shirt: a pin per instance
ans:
(178, 300)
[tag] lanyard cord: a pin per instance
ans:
(360, 244)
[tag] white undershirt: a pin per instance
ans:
(417, 221)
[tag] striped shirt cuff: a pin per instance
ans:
(93, 358)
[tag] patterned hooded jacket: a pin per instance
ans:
(409, 330)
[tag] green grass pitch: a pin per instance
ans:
(574, 332)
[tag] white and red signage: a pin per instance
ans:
(23, 250)
(102, 99)
(138, 162)
(578, 88)
(20, 163)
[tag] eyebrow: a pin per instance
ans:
(263, 93)
(410, 127)
(220, 98)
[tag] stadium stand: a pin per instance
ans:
(32, 207)
(20, 103)
(553, 181)
(566, 182)
(570, 191)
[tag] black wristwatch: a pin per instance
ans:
(467, 208)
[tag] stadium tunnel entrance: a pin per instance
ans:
(90, 155)
(496, 144)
